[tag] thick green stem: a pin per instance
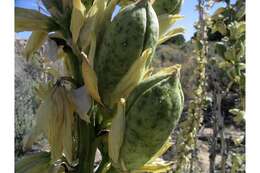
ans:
(87, 147)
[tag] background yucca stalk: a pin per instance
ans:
(187, 139)
(73, 115)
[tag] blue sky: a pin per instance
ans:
(188, 11)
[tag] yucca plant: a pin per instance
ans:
(110, 99)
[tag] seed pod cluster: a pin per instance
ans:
(111, 59)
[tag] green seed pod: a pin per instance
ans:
(150, 119)
(167, 6)
(132, 31)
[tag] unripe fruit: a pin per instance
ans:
(132, 31)
(150, 120)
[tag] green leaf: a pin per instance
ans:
(92, 25)
(240, 47)
(199, 44)
(241, 27)
(67, 6)
(59, 15)
(240, 13)
(54, 7)
(239, 115)
(230, 54)
(242, 66)
(220, 49)
(237, 30)
(220, 26)
(32, 20)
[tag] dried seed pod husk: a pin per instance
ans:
(97, 17)
(170, 34)
(68, 126)
(41, 125)
(55, 131)
(60, 125)
(166, 21)
(90, 80)
(55, 120)
(150, 121)
(167, 6)
(131, 79)
(77, 19)
(116, 134)
(132, 31)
